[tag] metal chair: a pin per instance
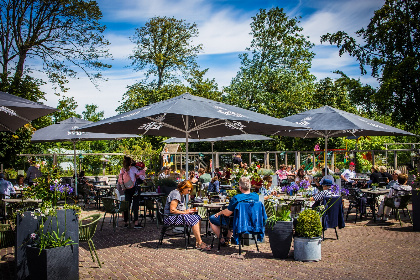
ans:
(404, 200)
(244, 222)
(113, 207)
(7, 237)
(87, 231)
(334, 214)
(185, 233)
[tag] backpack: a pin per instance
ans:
(125, 180)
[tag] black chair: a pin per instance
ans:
(246, 220)
(333, 216)
(114, 207)
(383, 182)
(7, 237)
(403, 204)
(356, 201)
(169, 230)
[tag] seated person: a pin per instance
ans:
(374, 176)
(385, 174)
(348, 174)
(244, 196)
(20, 182)
(394, 180)
(84, 186)
(203, 179)
(164, 173)
(394, 193)
(175, 204)
(192, 177)
(214, 185)
(326, 191)
(282, 174)
(218, 173)
(300, 176)
(324, 177)
(6, 188)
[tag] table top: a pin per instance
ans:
(104, 187)
(19, 200)
(151, 194)
(214, 205)
(359, 179)
(377, 191)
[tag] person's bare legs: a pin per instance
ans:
(196, 231)
(216, 230)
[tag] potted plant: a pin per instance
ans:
(47, 237)
(415, 197)
(279, 229)
(307, 241)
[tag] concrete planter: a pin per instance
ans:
(307, 249)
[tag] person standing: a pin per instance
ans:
(238, 160)
(32, 173)
(130, 170)
(165, 157)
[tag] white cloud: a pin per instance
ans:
(223, 34)
(121, 47)
(348, 16)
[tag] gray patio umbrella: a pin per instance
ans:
(329, 122)
(65, 131)
(15, 111)
(240, 137)
(193, 117)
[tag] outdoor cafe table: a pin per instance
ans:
(374, 194)
(153, 196)
(98, 189)
(14, 201)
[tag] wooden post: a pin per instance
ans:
(276, 160)
(395, 160)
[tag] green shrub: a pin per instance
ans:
(309, 224)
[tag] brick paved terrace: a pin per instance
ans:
(365, 250)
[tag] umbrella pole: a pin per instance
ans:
(75, 170)
(187, 197)
(212, 160)
(325, 156)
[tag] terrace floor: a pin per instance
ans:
(365, 250)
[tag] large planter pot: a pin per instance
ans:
(307, 249)
(280, 238)
(26, 224)
(54, 263)
(416, 208)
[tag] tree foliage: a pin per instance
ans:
(391, 48)
(91, 113)
(274, 78)
(164, 46)
(61, 33)
(66, 109)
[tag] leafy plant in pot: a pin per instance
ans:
(279, 229)
(307, 242)
(49, 234)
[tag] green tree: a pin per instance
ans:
(391, 48)
(61, 33)
(164, 46)
(91, 113)
(66, 109)
(274, 78)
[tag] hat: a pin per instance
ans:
(327, 182)
(140, 164)
(352, 163)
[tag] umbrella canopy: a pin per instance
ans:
(190, 116)
(65, 131)
(329, 122)
(15, 111)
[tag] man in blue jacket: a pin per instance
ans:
(244, 196)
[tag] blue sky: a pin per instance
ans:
(224, 27)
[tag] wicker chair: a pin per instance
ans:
(7, 236)
(87, 231)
